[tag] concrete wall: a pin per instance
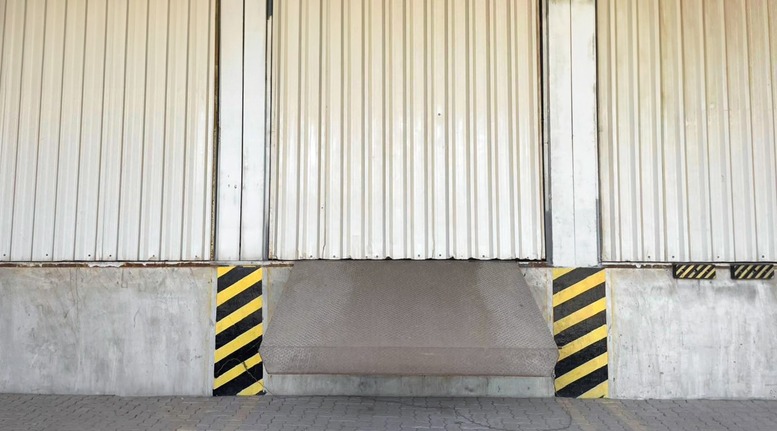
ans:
(691, 339)
(123, 331)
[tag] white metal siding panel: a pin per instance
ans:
(571, 121)
(406, 129)
(70, 134)
(200, 110)
(51, 100)
(91, 125)
(230, 130)
(110, 163)
(253, 245)
(241, 222)
(28, 118)
(687, 129)
(105, 129)
(132, 154)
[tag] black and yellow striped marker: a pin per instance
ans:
(580, 330)
(238, 366)
(752, 271)
(694, 271)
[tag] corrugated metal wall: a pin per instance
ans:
(106, 119)
(406, 129)
(688, 91)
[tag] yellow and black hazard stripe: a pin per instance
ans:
(694, 271)
(238, 366)
(752, 271)
(580, 330)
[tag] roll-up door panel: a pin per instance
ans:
(406, 129)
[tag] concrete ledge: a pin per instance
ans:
(409, 386)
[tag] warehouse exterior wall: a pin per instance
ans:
(92, 155)
(150, 331)
(114, 331)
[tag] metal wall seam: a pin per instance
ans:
(406, 130)
(104, 132)
(687, 130)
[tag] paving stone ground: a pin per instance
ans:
(70, 413)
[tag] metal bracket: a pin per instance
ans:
(694, 271)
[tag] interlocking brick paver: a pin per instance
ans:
(44, 413)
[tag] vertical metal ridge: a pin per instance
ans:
(112, 139)
(187, 210)
(35, 187)
(28, 143)
(685, 248)
(771, 218)
(123, 136)
(12, 77)
(48, 147)
(100, 183)
(5, 194)
(79, 238)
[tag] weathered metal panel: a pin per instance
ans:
(406, 129)
(230, 130)
(570, 35)
(106, 126)
(687, 100)
(241, 222)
